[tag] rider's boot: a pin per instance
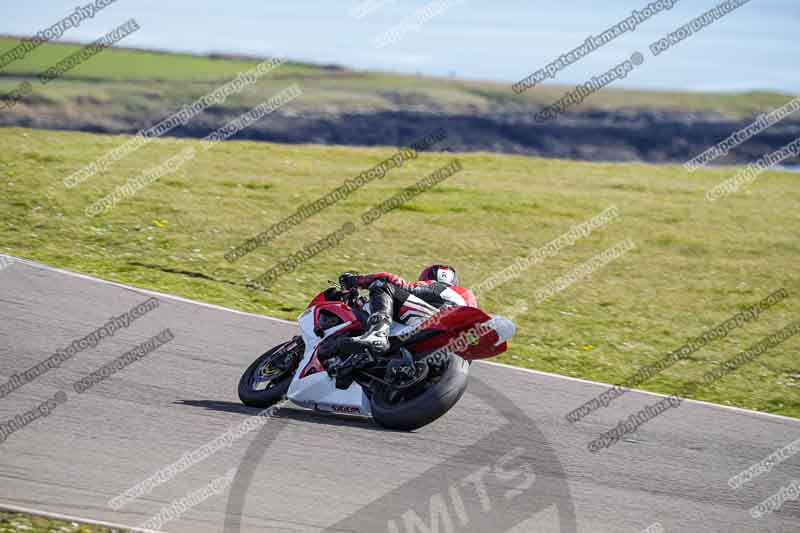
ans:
(376, 338)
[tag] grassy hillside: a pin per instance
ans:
(123, 75)
(695, 263)
(124, 64)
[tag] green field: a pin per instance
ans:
(695, 263)
(144, 82)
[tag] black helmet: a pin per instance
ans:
(443, 273)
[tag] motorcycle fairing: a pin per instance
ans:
(312, 387)
(474, 334)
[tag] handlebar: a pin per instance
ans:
(350, 296)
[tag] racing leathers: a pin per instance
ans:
(392, 297)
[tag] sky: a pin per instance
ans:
(752, 48)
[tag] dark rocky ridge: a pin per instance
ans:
(596, 135)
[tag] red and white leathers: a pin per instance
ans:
(411, 300)
(392, 297)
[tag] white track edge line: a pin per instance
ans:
(42, 266)
(651, 393)
(265, 317)
(68, 518)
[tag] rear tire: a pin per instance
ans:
(421, 410)
(273, 394)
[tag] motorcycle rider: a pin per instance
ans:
(391, 296)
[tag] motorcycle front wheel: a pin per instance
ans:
(267, 380)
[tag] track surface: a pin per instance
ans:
(308, 472)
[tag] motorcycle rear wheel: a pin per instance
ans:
(392, 410)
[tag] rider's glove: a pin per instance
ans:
(348, 280)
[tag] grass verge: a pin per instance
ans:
(13, 522)
(695, 263)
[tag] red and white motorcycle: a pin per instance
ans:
(421, 377)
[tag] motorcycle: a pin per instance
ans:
(418, 380)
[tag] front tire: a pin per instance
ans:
(430, 404)
(277, 388)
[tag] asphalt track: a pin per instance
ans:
(504, 459)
